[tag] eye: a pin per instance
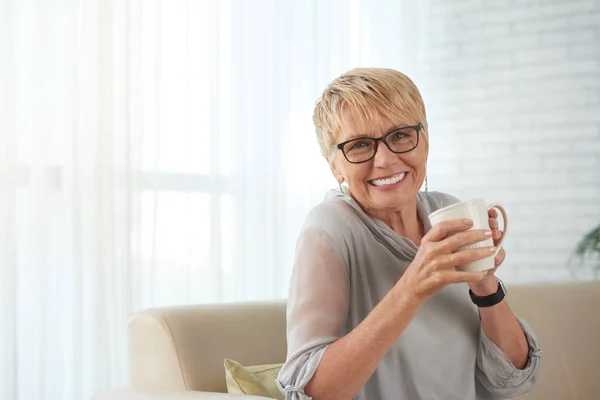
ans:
(360, 144)
(398, 135)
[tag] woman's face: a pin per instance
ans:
(364, 179)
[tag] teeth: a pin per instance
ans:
(388, 181)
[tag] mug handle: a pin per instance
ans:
(505, 229)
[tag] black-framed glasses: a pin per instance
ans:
(362, 149)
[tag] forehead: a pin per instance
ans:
(373, 124)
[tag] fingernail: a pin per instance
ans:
(487, 233)
(468, 222)
(492, 249)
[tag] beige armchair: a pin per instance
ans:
(176, 353)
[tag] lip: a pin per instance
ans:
(389, 187)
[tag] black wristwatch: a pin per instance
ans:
(492, 299)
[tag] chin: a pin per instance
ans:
(393, 200)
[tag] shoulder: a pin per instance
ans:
(330, 217)
(336, 222)
(435, 200)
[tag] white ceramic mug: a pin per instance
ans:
(476, 210)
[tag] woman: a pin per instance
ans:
(376, 309)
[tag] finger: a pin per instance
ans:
(500, 258)
(493, 223)
(454, 242)
(493, 213)
(466, 276)
(496, 234)
(441, 230)
(464, 257)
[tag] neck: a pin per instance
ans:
(405, 222)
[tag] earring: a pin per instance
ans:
(340, 183)
(426, 185)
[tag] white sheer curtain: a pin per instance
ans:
(154, 153)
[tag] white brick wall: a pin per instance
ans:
(513, 94)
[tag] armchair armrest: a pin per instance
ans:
(168, 394)
(184, 347)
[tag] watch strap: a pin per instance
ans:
(492, 299)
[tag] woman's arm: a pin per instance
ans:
(350, 361)
(502, 327)
(318, 306)
(508, 357)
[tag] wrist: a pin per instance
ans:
(407, 296)
(486, 287)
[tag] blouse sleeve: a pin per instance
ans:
(498, 375)
(317, 310)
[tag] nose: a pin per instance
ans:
(384, 157)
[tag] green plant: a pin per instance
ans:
(588, 249)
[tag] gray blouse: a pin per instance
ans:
(346, 262)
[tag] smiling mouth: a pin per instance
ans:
(388, 181)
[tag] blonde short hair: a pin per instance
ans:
(368, 93)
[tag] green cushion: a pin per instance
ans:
(257, 380)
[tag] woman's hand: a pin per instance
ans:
(489, 285)
(433, 267)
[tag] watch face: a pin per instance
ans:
(502, 286)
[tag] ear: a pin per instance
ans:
(335, 171)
